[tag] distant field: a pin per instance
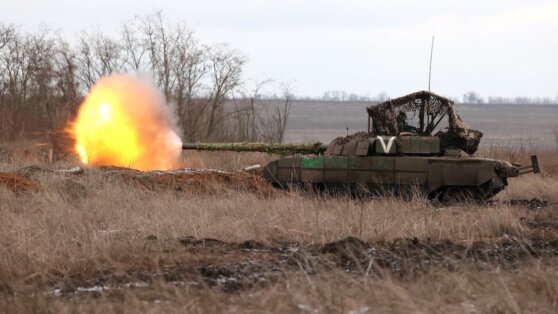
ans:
(530, 125)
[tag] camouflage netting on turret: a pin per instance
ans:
(385, 119)
(359, 136)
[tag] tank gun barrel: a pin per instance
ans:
(280, 149)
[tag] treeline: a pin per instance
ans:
(337, 95)
(470, 97)
(44, 77)
(473, 97)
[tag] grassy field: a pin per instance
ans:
(97, 243)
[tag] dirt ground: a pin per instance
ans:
(196, 181)
(234, 267)
(118, 240)
(17, 183)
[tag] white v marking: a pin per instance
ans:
(385, 147)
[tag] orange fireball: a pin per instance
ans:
(125, 122)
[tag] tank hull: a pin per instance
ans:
(430, 175)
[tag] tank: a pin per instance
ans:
(415, 143)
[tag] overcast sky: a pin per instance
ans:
(497, 48)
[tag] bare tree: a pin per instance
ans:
(97, 56)
(472, 97)
(246, 112)
(6, 34)
(282, 114)
(25, 61)
(226, 68)
(189, 68)
(275, 117)
(134, 50)
(43, 79)
(381, 97)
(161, 44)
(66, 86)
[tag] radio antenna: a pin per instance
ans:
(430, 68)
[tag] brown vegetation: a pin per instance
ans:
(100, 242)
(17, 183)
(44, 78)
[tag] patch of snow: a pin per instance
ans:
(139, 284)
(222, 279)
(469, 307)
(108, 231)
(253, 167)
(361, 310)
(92, 289)
(75, 170)
(188, 171)
(179, 283)
(307, 308)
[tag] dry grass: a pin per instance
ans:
(530, 289)
(548, 159)
(78, 229)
